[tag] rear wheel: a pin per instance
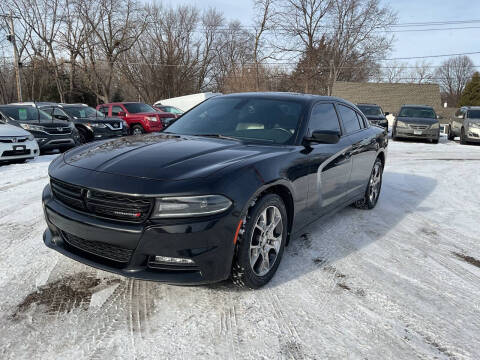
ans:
(260, 247)
(137, 129)
(373, 189)
(451, 135)
(463, 137)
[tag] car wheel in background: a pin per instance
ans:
(137, 129)
(450, 135)
(435, 141)
(260, 247)
(373, 189)
(82, 136)
(463, 138)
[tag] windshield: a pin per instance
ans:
(370, 110)
(134, 108)
(246, 118)
(25, 113)
(473, 114)
(417, 112)
(83, 112)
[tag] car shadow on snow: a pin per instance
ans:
(339, 235)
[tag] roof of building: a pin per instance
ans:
(389, 96)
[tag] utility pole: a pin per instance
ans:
(18, 75)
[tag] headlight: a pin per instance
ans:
(435, 126)
(71, 125)
(401, 124)
(151, 118)
(475, 125)
(125, 124)
(97, 125)
(31, 137)
(32, 127)
(174, 207)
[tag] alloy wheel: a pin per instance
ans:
(375, 183)
(266, 240)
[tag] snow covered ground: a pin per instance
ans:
(400, 281)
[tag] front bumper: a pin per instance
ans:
(427, 134)
(17, 151)
(48, 141)
(206, 241)
(107, 133)
(473, 134)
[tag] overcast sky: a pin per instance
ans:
(407, 44)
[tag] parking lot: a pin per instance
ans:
(400, 281)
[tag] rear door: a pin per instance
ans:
(330, 163)
(363, 151)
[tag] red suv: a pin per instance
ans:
(141, 118)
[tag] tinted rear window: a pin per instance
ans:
(473, 114)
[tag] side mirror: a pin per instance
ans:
(387, 113)
(324, 137)
(122, 113)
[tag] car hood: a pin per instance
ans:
(10, 130)
(419, 121)
(106, 120)
(161, 156)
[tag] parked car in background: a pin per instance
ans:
(416, 122)
(90, 123)
(169, 109)
(374, 114)
(186, 102)
(141, 118)
(219, 193)
(466, 125)
(50, 133)
(16, 144)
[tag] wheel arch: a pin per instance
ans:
(82, 127)
(282, 189)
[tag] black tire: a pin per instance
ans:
(82, 136)
(369, 202)
(137, 129)
(243, 273)
(463, 138)
(450, 134)
(435, 141)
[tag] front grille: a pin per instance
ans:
(419, 127)
(16, 152)
(58, 131)
(10, 140)
(102, 204)
(104, 250)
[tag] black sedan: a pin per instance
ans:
(374, 114)
(90, 123)
(219, 194)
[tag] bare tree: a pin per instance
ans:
(357, 29)
(114, 27)
(302, 23)
(263, 22)
(421, 73)
(453, 76)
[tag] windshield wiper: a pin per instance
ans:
(218, 136)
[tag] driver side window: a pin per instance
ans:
(323, 117)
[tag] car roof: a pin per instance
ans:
(368, 104)
(471, 107)
(305, 98)
(418, 106)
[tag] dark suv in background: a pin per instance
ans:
(50, 133)
(374, 114)
(416, 122)
(90, 123)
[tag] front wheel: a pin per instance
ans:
(137, 130)
(373, 189)
(260, 247)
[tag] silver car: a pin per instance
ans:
(466, 125)
(416, 122)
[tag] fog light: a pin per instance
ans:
(173, 260)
